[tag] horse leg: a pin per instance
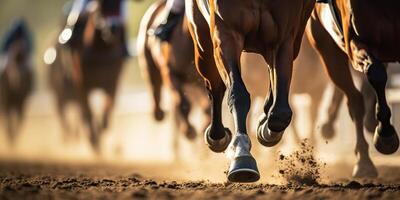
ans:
(370, 122)
(386, 140)
(108, 107)
(316, 98)
(175, 135)
(9, 118)
(327, 128)
(87, 117)
(60, 106)
(153, 73)
(228, 46)
(216, 136)
(277, 112)
(182, 107)
(336, 63)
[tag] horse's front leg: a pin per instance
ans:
(386, 140)
(277, 113)
(228, 46)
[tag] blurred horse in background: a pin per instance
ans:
(365, 34)
(16, 76)
(171, 64)
(98, 54)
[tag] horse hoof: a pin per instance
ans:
(327, 131)
(267, 137)
(386, 140)
(218, 146)
(365, 169)
(159, 115)
(190, 133)
(243, 170)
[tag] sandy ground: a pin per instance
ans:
(27, 180)
(139, 161)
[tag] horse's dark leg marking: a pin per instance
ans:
(280, 114)
(277, 112)
(385, 139)
(336, 63)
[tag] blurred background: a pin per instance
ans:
(133, 135)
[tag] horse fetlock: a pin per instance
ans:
(365, 168)
(361, 149)
(158, 114)
(189, 131)
(267, 137)
(383, 114)
(240, 146)
(327, 130)
(214, 141)
(278, 121)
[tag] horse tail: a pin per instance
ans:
(150, 69)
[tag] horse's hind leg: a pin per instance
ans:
(60, 106)
(386, 140)
(108, 107)
(10, 125)
(327, 128)
(336, 63)
(368, 92)
(87, 117)
(153, 75)
(182, 107)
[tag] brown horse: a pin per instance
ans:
(221, 31)
(170, 63)
(16, 77)
(98, 56)
(364, 34)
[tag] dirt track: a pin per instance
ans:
(22, 180)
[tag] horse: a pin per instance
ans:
(171, 64)
(221, 31)
(362, 33)
(16, 76)
(97, 52)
